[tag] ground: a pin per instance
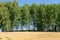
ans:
(29, 36)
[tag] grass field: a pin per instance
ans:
(29, 36)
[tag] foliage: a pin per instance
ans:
(42, 16)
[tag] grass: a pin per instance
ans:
(29, 36)
(8, 38)
(0, 38)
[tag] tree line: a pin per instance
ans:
(46, 17)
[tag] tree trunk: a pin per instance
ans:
(39, 28)
(55, 29)
(21, 27)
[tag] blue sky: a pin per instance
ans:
(22, 2)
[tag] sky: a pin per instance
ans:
(22, 2)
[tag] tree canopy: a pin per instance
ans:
(46, 17)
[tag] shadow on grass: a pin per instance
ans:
(8, 38)
(0, 38)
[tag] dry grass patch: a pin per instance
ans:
(29, 36)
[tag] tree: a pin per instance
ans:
(51, 16)
(26, 16)
(34, 13)
(15, 13)
(5, 21)
(44, 17)
(58, 18)
(41, 18)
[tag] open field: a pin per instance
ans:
(29, 36)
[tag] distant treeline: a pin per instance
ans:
(46, 17)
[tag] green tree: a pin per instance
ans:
(58, 14)
(15, 13)
(26, 15)
(5, 21)
(51, 16)
(34, 13)
(41, 23)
